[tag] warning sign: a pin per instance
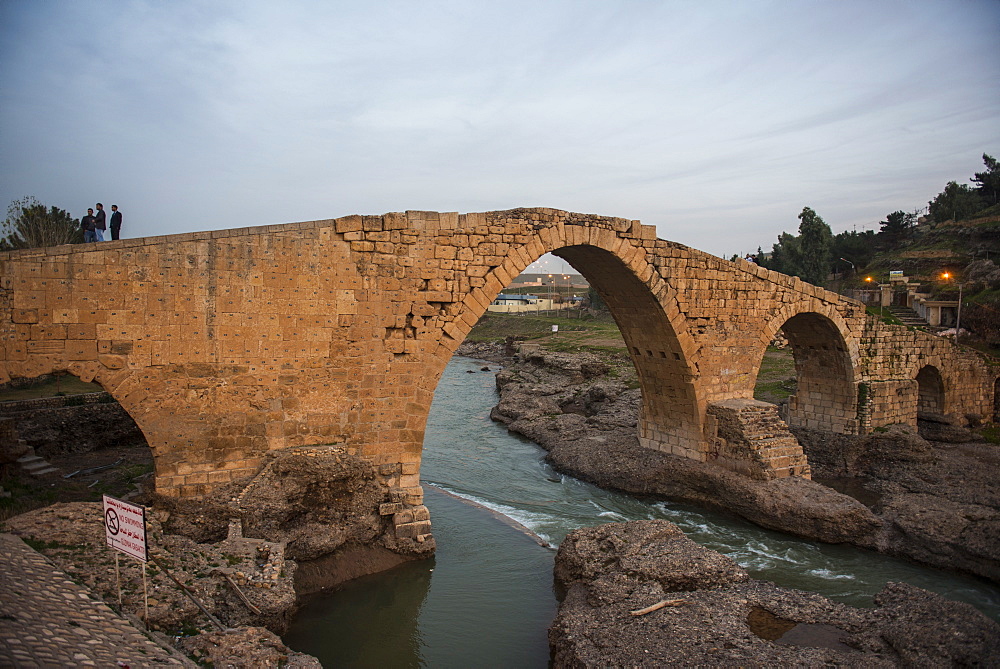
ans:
(125, 527)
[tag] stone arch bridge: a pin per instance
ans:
(225, 345)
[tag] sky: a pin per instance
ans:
(715, 121)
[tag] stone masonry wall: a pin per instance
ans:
(892, 357)
(225, 345)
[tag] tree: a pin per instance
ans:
(858, 247)
(955, 202)
(988, 182)
(815, 239)
(896, 227)
(786, 256)
(594, 300)
(30, 225)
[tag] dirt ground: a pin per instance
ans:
(122, 470)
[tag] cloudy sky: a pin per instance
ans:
(715, 121)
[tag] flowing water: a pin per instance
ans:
(486, 598)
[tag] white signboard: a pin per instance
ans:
(125, 527)
(555, 328)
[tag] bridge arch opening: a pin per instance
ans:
(930, 390)
(639, 303)
(72, 424)
(669, 416)
(825, 397)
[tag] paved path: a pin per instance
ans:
(46, 620)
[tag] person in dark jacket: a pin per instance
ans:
(116, 222)
(87, 225)
(99, 223)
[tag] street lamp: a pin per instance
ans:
(562, 300)
(550, 291)
(958, 312)
(871, 280)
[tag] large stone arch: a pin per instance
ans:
(826, 397)
(641, 303)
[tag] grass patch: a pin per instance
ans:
(769, 391)
(594, 332)
(49, 386)
(991, 433)
(884, 314)
(39, 545)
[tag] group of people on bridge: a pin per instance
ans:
(94, 225)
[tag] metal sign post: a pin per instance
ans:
(125, 531)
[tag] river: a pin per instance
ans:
(486, 598)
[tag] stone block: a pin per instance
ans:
(24, 315)
(390, 508)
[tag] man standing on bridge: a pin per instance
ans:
(99, 223)
(87, 225)
(116, 222)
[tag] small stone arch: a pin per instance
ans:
(826, 395)
(930, 390)
(996, 401)
(94, 422)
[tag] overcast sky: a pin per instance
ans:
(715, 121)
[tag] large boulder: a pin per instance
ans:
(639, 552)
(941, 427)
(642, 594)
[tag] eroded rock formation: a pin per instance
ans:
(312, 518)
(642, 594)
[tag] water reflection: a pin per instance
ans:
(370, 621)
(485, 600)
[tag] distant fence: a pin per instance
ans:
(20, 406)
(866, 296)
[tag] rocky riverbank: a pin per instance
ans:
(932, 502)
(309, 520)
(642, 594)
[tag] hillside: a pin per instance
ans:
(931, 249)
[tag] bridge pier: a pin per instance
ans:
(748, 437)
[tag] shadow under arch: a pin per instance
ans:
(996, 401)
(930, 390)
(647, 314)
(96, 423)
(826, 396)
(670, 417)
(127, 389)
